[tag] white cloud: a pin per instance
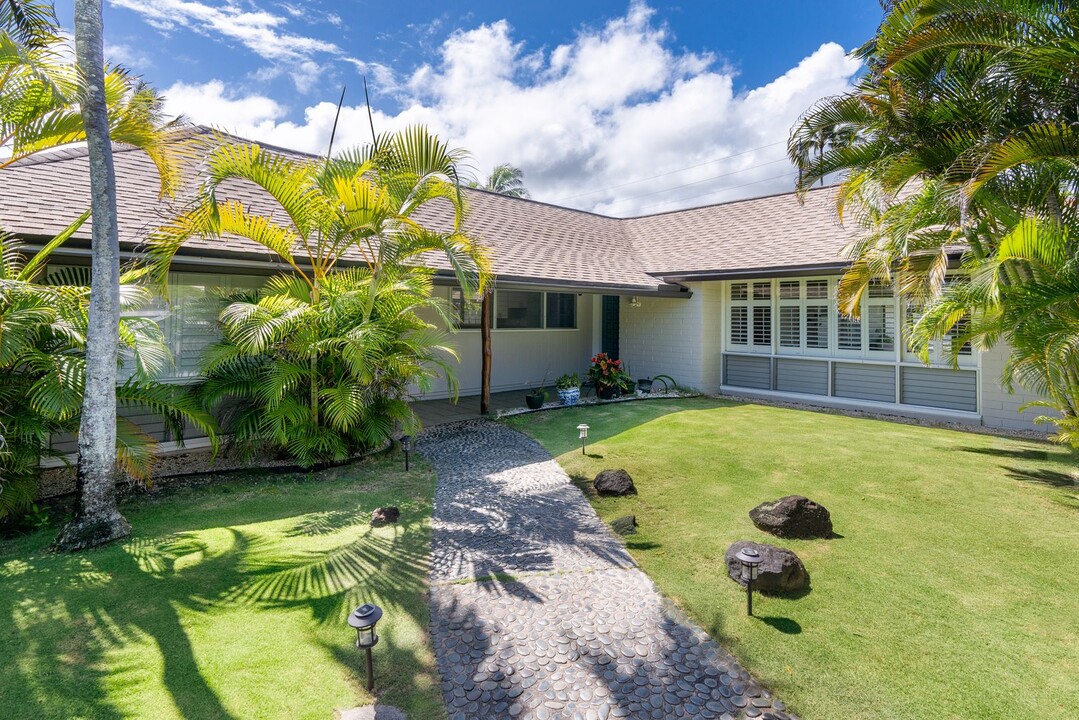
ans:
(614, 106)
(260, 31)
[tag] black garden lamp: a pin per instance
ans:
(363, 619)
(406, 447)
(582, 431)
(751, 563)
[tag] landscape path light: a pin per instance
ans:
(582, 431)
(750, 559)
(406, 447)
(363, 619)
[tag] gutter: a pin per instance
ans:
(756, 272)
(245, 263)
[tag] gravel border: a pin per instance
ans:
(596, 401)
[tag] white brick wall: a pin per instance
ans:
(676, 337)
(999, 407)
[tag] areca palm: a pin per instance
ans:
(505, 179)
(364, 207)
(960, 140)
(43, 330)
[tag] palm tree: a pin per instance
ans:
(362, 207)
(505, 179)
(46, 102)
(97, 519)
(961, 140)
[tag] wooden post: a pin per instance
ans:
(485, 372)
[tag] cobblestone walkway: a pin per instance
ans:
(538, 611)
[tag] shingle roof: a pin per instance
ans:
(529, 240)
(766, 232)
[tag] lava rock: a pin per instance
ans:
(385, 515)
(614, 482)
(793, 516)
(625, 525)
(781, 571)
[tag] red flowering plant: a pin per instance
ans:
(607, 373)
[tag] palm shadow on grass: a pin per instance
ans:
(65, 616)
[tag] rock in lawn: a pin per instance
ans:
(793, 517)
(781, 571)
(384, 515)
(614, 482)
(625, 525)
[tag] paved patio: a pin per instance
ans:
(440, 412)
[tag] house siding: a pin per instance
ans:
(864, 382)
(940, 388)
(680, 337)
(1000, 409)
(802, 376)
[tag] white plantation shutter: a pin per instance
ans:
(739, 315)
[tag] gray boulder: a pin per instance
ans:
(625, 525)
(384, 515)
(781, 571)
(793, 516)
(614, 482)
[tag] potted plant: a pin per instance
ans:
(569, 389)
(611, 380)
(537, 395)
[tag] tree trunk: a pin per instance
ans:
(485, 372)
(97, 519)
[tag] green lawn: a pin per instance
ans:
(953, 591)
(228, 602)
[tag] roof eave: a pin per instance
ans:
(682, 276)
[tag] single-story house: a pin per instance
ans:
(736, 297)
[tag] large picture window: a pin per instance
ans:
(518, 309)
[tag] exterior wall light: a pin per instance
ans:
(582, 431)
(406, 447)
(635, 302)
(751, 563)
(363, 619)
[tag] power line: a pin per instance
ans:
(699, 182)
(672, 172)
(714, 192)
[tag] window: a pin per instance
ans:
(751, 316)
(762, 325)
(739, 314)
(880, 317)
(790, 326)
(469, 311)
(739, 325)
(518, 309)
(561, 310)
(849, 332)
(790, 314)
(188, 322)
(817, 326)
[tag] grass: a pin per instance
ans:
(952, 591)
(229, 601)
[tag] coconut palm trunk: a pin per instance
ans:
(97, 519)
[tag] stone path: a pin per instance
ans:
(538, 611)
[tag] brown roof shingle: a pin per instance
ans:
(529, 240)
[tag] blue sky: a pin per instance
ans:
(584, 96)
